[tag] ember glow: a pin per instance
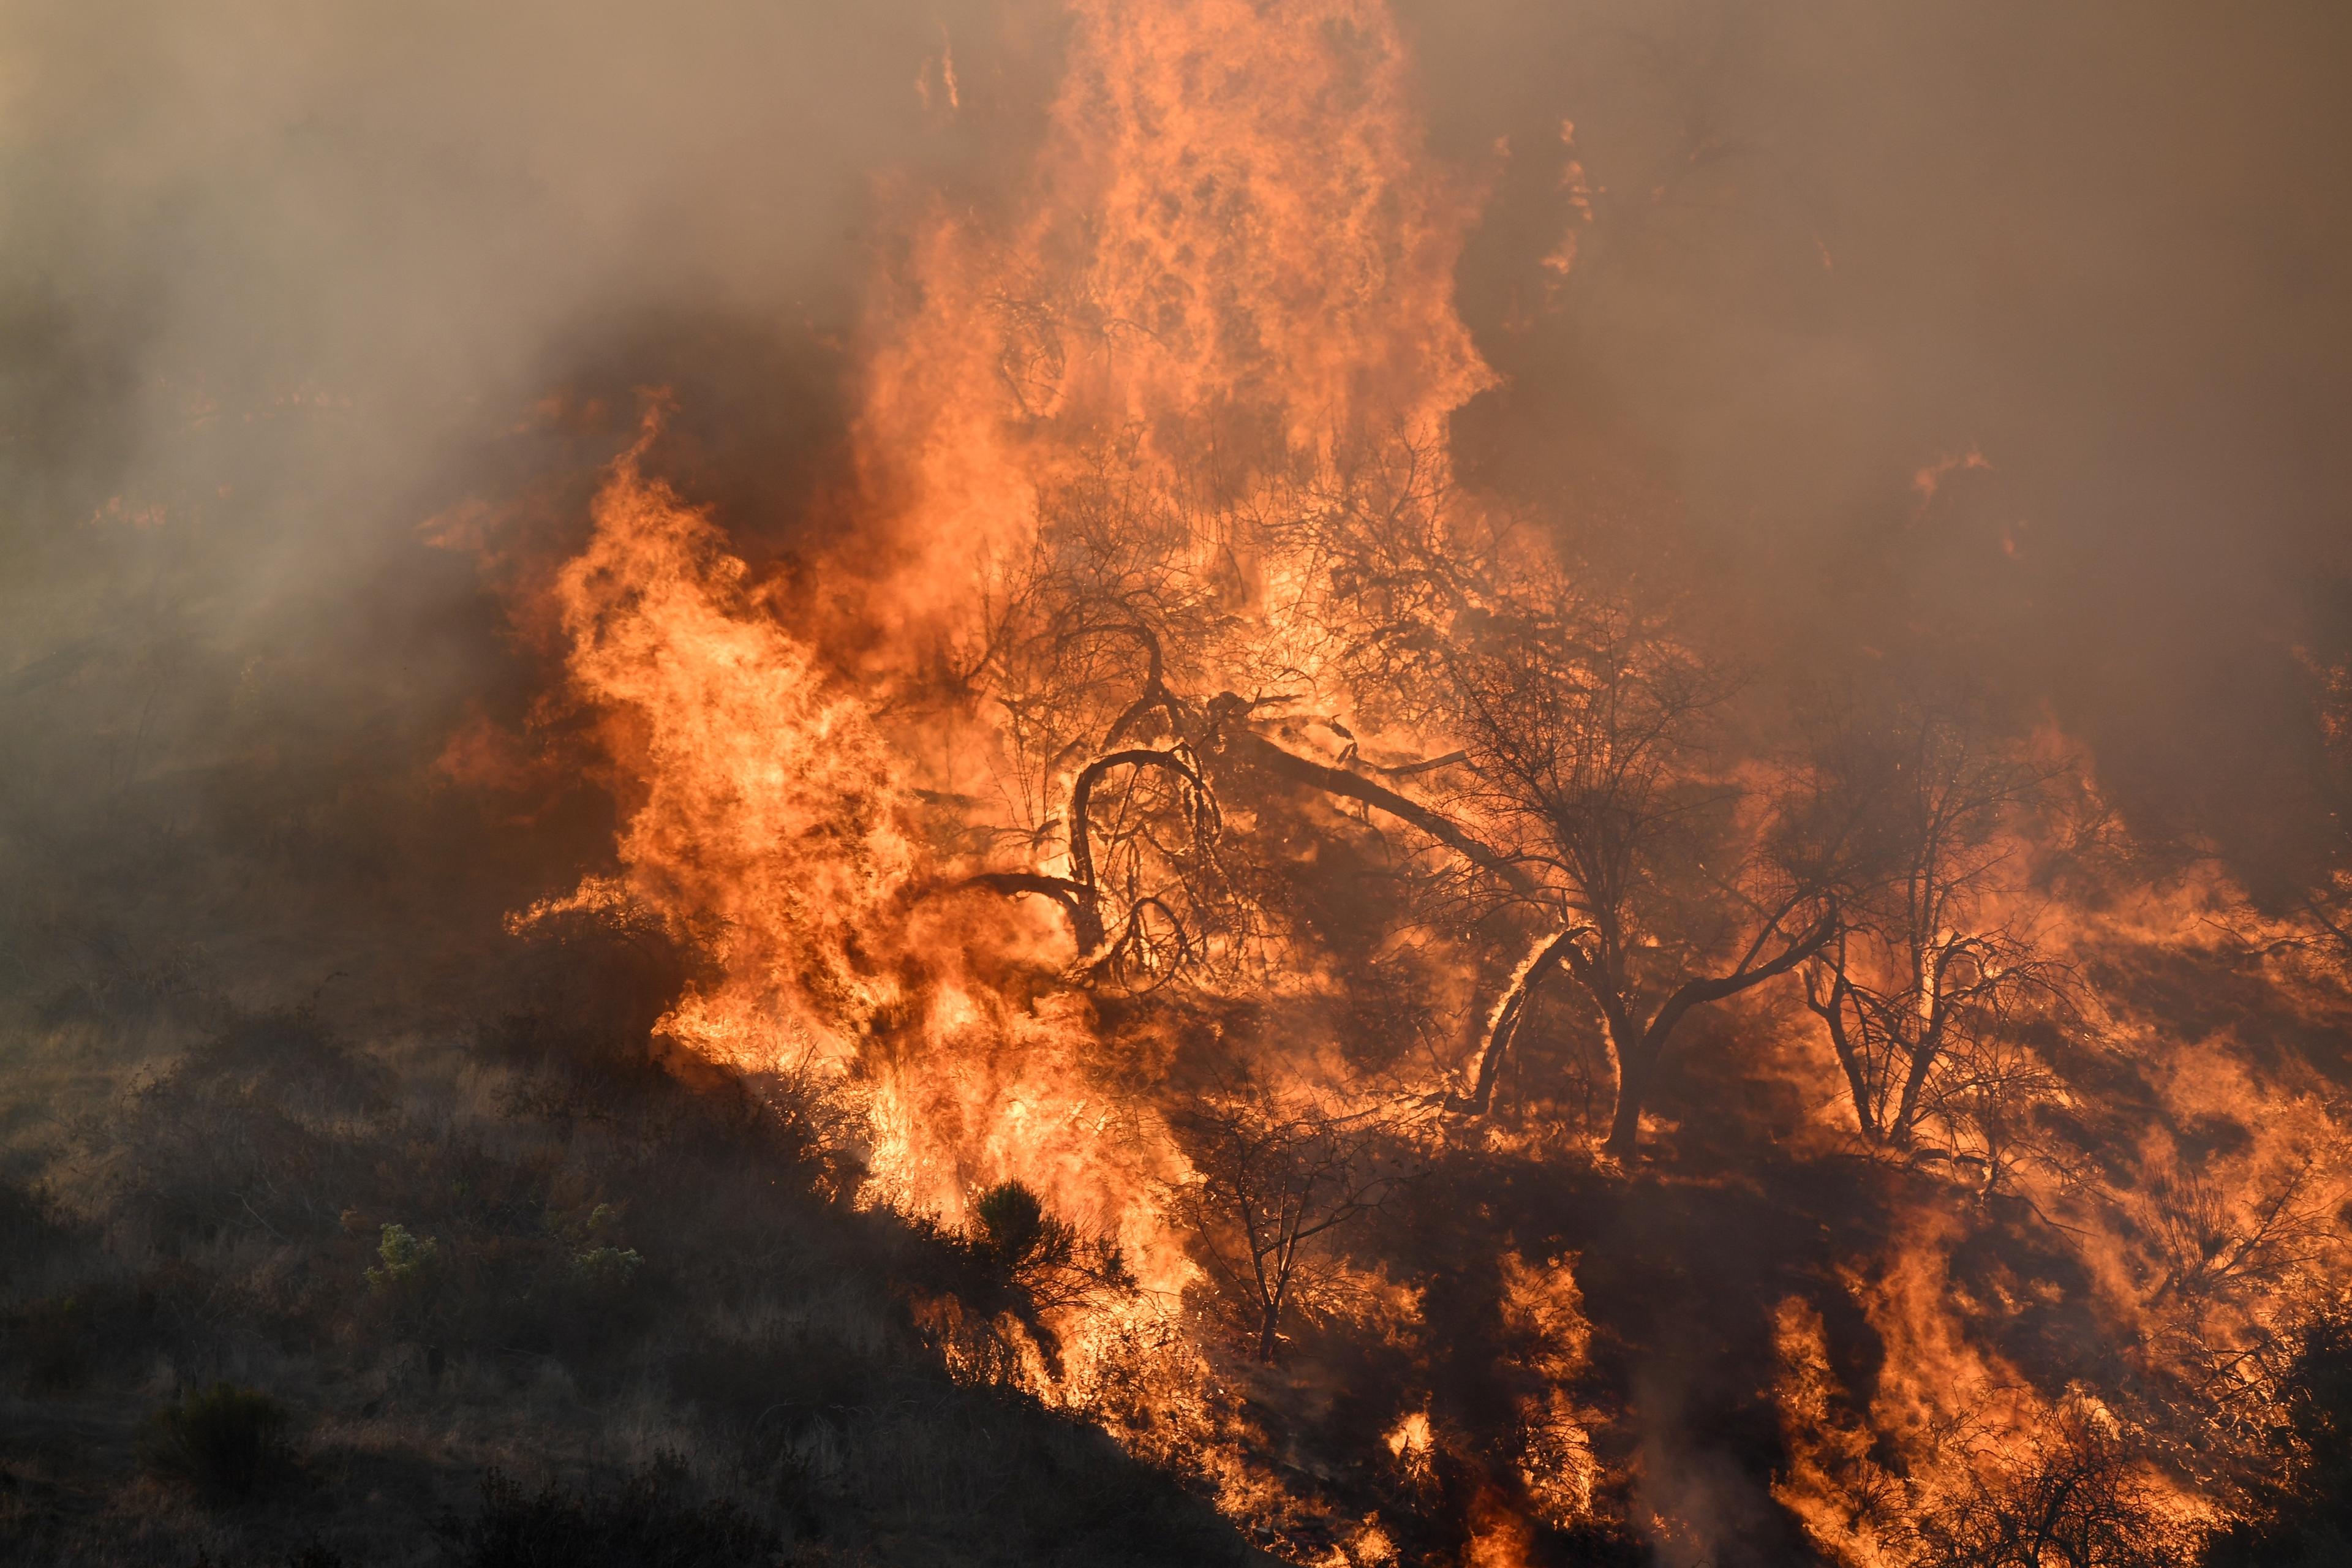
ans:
(1216, 812)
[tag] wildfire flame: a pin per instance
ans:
(1230, 264)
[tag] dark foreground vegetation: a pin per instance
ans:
(535, 1302)
(544, 1299)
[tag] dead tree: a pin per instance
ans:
(1932, 974)
(1579, 787)
(1270, 1184)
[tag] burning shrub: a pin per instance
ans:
(609, 966)
(229, 1441)
(1271, 1183)
(2072, 1492)
(1021, 1262)
(1040, 1255)
(2304, 1516)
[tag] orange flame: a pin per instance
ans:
(766, 804)
(1230, 243)
(1229, 235)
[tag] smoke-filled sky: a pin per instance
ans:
(274, 278)
(2107, 248)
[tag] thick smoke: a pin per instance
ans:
(2008, 339)
(281, 285)
(1831, 245)
(276, 279)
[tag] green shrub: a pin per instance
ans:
(606, 1268)
(406, 1261)
(229, 1441)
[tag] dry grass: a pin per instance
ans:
(605, 1276)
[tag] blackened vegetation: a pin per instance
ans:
(2302, 1512)
(229, 1441)
(651, 1518)
(539, 1301)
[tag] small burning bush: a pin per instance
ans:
(229, 1441)
(1040, 1254)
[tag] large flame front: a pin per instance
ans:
(1229, 270)
(1231, 252)
(1230, 243)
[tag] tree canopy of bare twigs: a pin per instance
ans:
(1271, 1182)
(1935, 965)
(1562, 775)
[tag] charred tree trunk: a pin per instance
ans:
(1625, 1139)
(1269, 1333)
(1639, 1056)
(1851, 1059)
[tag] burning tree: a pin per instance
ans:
(2072, 1493)
(1579, 788)
(1934, 969)
(1271, 1182)
(1584, 756)
(1583, 726)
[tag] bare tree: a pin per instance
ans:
(2208, 1246)
(1934, 971)
(1585, 724)
(1271, 1183)
(1082, 647)
(1578, 779)
(2069, 1494)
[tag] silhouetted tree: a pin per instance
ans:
(1934, 968)
(2303, 1513)
(1270, 1184)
